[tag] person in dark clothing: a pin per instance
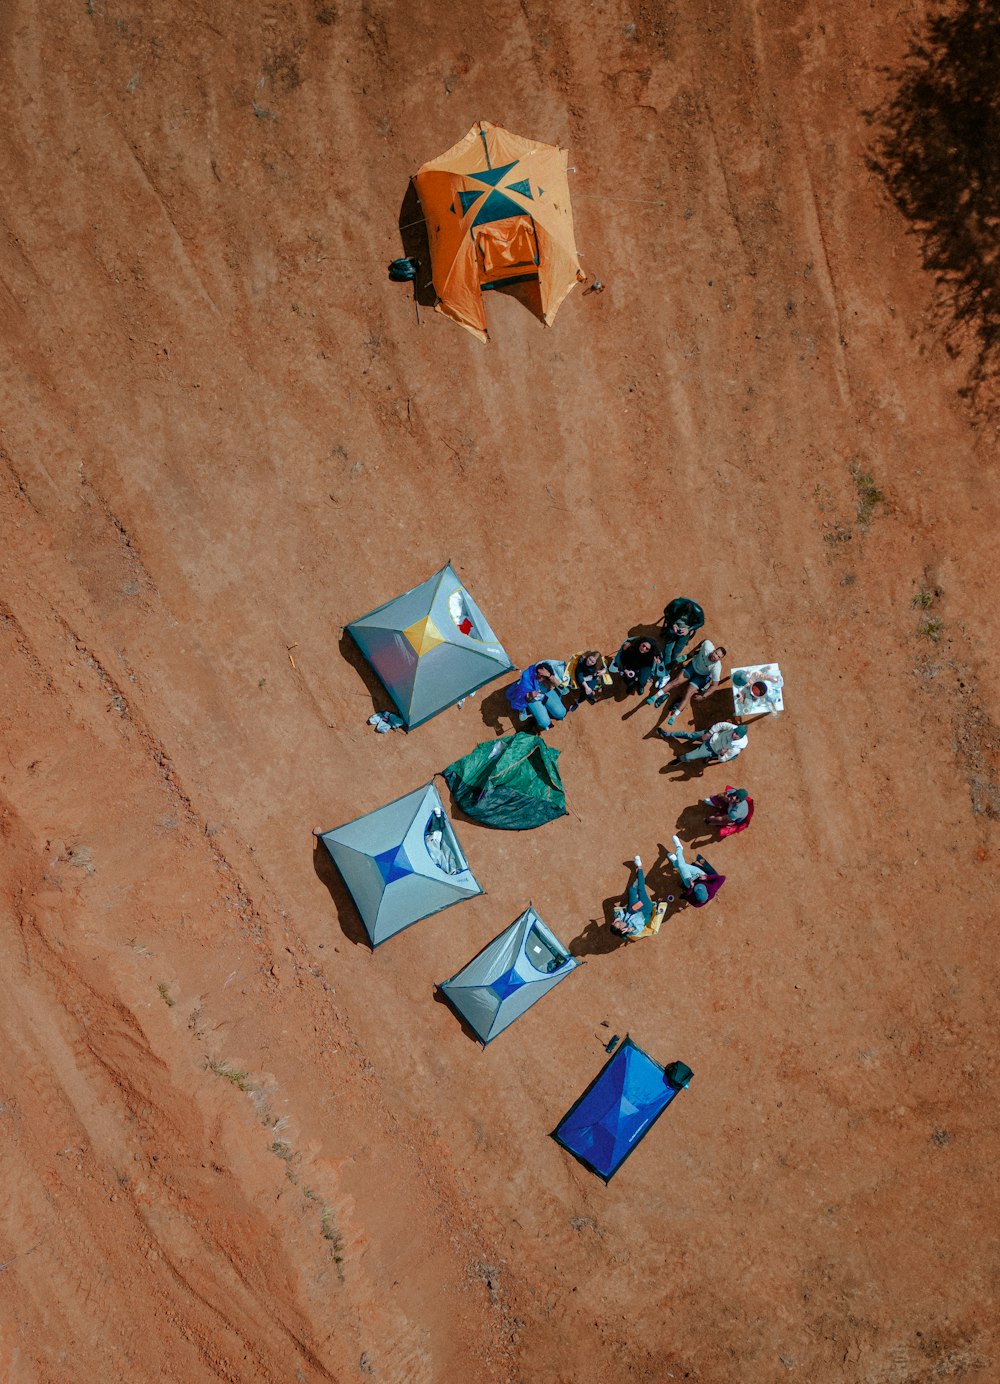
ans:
(682, 619)
(588, 675)
(637, 661)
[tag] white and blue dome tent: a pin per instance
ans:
(508, 976)
(401, 863)
(430, 647)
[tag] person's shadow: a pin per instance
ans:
(347, 913)
(682, 773)
(349, 651)
(416, 246)
(496, 710)
(597, 939)
(691, 826)
(716, 707)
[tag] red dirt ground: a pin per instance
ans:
(236, 1144)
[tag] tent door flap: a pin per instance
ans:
(506, 250)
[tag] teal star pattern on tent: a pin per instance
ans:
(495, 205)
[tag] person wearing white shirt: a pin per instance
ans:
(720, 743)
(699, 676)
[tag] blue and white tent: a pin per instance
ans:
(619, 1108)
(430, 647)
(508, 976)
(401, 863)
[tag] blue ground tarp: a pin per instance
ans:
(617, 1110)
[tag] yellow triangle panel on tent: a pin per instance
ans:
(497, 209)
(424, 635)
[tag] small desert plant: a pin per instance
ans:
(165, 994)
(223, 1069)
(869, 494)
(330, 1231)
(923, 600)
(931, 629)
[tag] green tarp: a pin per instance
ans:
(512, 783)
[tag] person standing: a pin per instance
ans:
(682, 619)
(719, 744)
(537, 694)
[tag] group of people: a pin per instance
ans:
(548, 690)
(675, 675)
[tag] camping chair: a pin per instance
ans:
(654, 924)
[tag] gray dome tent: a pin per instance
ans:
(401, 863)
(431, 647)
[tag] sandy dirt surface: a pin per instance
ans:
(235, 1143)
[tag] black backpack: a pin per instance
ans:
(404, 271)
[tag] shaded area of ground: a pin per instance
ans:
(938, 151)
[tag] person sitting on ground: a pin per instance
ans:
(720, 743)
(733, 810)
(699, 882)
(536, 694)
(682, 619)
(588, 675)
(700, 676)
(637, 661)
(633, 916)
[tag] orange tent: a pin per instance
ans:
(497, 210)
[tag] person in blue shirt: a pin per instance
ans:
(537, 694)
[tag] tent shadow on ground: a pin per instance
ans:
(413, 235)
(381, 701)
(441, 998)
(528, 294)
(347, 914)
